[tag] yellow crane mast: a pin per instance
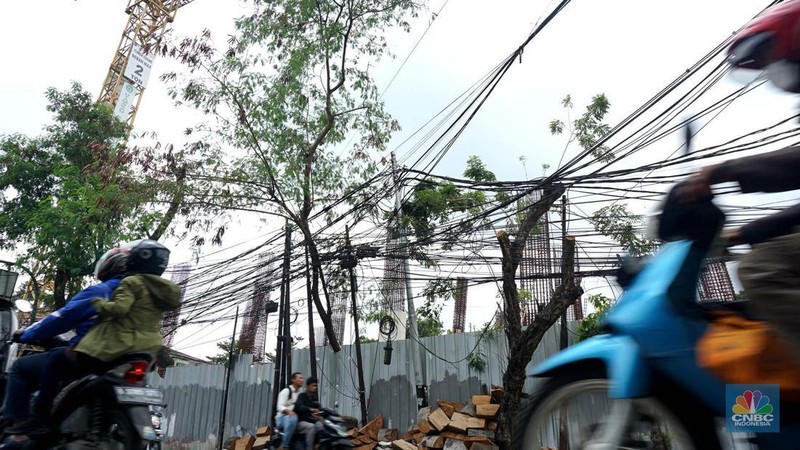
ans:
(148, 22)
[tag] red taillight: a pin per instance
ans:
(136, 372)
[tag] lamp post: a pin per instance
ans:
(36, 292)
(8, 280)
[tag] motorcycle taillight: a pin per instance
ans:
(137, 372)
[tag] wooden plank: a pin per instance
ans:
(459, 417)
(474, 422)
(400, 444)
(425, 427)
(483, 446)
(481, 399)
(261, 443)
(388, 434)
(423, 413)
(263, 431)
(433, 441)
(458, 426)
(463, 437)
(468, 409)
(371, 429)
(487, 410)
(447, 408)
(454, 444)
(439, 419)
(245, 443)
(475, 432)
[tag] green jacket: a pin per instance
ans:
(131, 321)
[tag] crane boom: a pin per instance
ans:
(148, 22)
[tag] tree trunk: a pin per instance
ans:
(324, 314)
(522, 343)
(60, 288)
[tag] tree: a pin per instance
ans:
(225, 350)
(292, 87)
(617, 222)
(73, 192)
(590, 325)
(587, 129)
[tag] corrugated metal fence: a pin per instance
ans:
(194, 393)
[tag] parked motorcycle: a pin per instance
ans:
(638, 385)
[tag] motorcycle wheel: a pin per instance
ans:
(567, 410)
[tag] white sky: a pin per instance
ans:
(627, 49)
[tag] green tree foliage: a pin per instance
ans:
(590, 325)
(74, 191)
(224, 353)
(294, 94)
(587, 129)
(618, 223)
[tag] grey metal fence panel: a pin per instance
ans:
(194, 393)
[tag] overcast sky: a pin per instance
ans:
(627, 49)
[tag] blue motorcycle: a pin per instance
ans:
(638, 385)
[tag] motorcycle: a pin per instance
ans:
(105, 410)
(638, 385)
(330, 433)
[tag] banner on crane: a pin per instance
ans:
(125, 101)
(138, 67)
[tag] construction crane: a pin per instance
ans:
(148, 22)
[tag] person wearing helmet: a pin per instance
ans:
(131, 321)
(770, 272)
(78, 314)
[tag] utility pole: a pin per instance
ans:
(312, 344)
(564, 332)
(287, 313)
(413, 331)
(349, 262)
(228, 369)
(280, 363)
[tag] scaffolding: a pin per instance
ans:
(338, 316)
(715, 281)
(540, 261)
(460, 312)
(253, 337)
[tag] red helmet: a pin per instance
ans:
(111, 264)
(771, 42)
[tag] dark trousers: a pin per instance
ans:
(23, 381)
(770, 274)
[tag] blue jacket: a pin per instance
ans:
(78, 314)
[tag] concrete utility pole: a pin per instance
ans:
(413, 331)
(228, 369)
(349, 262)
(564, 333)
(281, 364)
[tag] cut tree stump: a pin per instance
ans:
(439, 419)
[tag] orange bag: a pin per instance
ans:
(743, 351)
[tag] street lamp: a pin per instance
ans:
(36, 292)
(8, 281)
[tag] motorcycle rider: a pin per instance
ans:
(286, 418)
(770, 272)
(129, 322)
(307, 409)
(78, 314)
